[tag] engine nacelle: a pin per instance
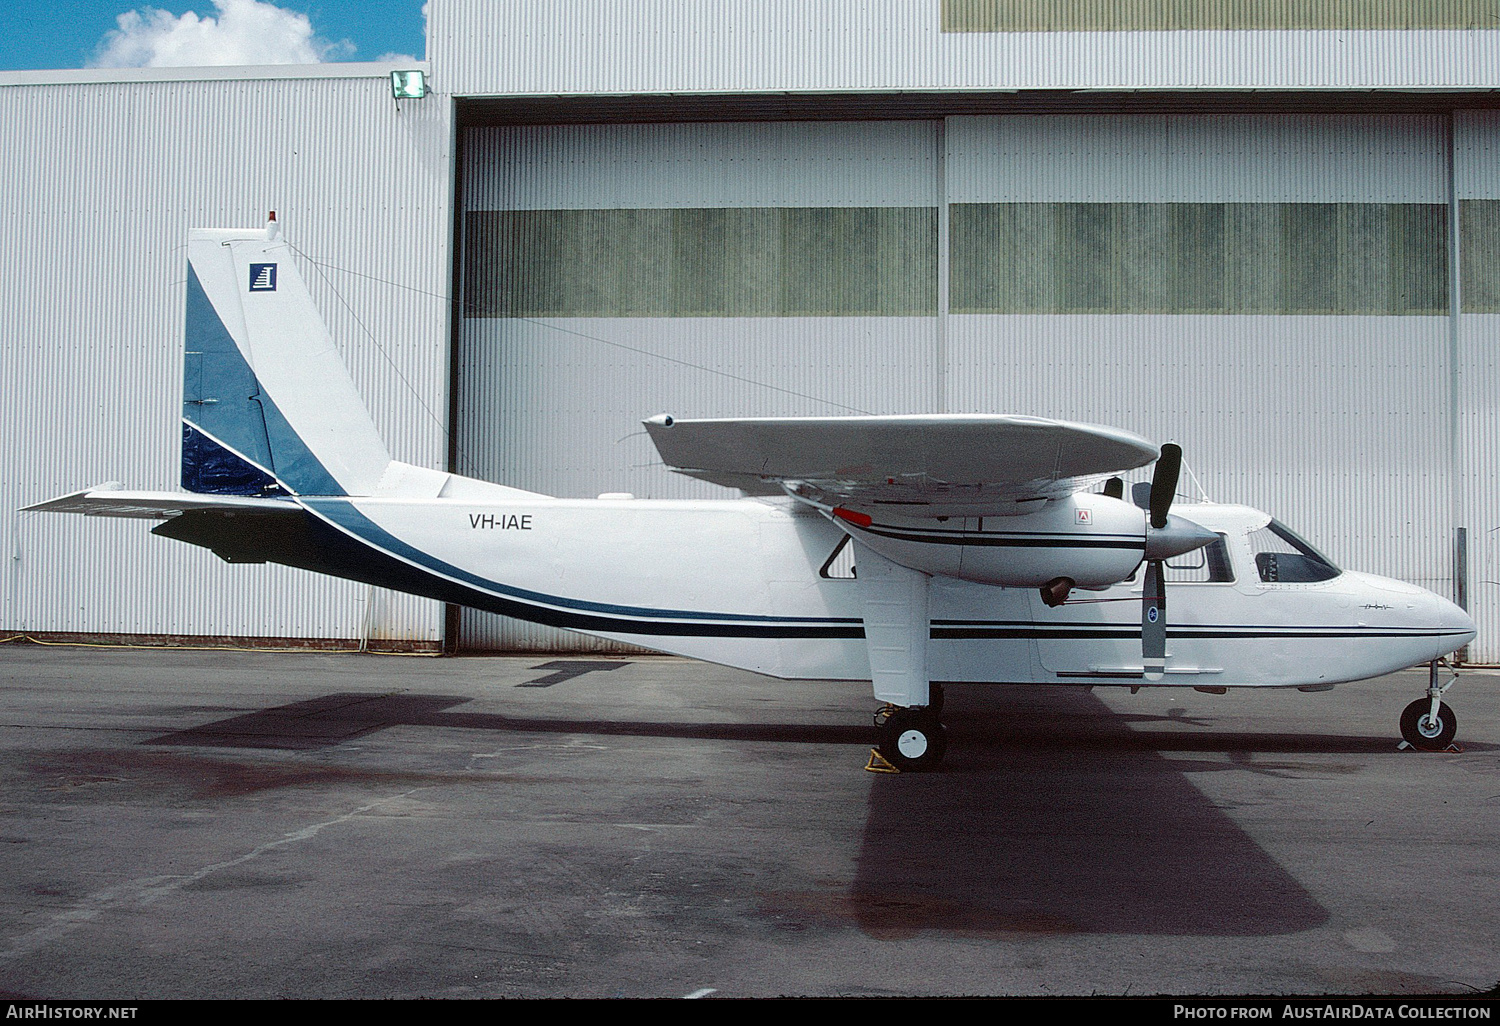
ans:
(1092, 539)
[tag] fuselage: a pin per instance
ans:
(747, 583)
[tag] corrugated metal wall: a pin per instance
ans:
(674, 46)
(103, 181)
(696, 262)
(1476, 153)
(1209, 15)
(1177, 258)
(1273, 292)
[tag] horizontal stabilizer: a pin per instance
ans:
(108, 502)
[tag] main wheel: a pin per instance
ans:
(1419, 729)
(913, 739)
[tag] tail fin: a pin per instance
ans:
(267, 404)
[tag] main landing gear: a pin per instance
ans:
(913, 738)
(1428, 725)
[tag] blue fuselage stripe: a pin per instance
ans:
(623, 619)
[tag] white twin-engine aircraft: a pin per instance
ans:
(976, 553)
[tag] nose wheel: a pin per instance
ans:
(913, 739)
(1428, 725)
(1424, 731)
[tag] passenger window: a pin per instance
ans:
(839, 566)
(1281, 557)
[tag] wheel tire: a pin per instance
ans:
(913, 740)
(1423, 734)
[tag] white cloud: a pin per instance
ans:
(406, 58)
(245, 32)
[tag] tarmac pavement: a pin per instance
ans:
(251, 824)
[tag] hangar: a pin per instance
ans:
(1269, 232)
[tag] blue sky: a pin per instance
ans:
(80, 33)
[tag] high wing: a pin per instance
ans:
(926, 465)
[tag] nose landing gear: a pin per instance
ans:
(1428, 725)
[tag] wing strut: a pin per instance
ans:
(894, 600)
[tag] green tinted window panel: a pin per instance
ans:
(1479, 258)
(1184, 258)
(1222, 15)
(712, 262)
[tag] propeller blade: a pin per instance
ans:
(1154, 588)
(1164, 483)
(1154, 621)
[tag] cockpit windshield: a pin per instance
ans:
(1282, 557)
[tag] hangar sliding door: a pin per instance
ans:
(1476, 154)
(612, 272)
(1271, 292)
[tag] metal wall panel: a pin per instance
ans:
(571, 47)
(1479, 221)
(766, 164)
(1197, 159)
(1476, 382)
(104, 179)
(724, 261)
(1207, 15)
(1183, 258)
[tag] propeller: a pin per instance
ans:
(1164, 483)
(1166, 536)
(1161, 544)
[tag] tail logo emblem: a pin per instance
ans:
(262, 277)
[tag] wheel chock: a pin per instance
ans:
(879, 763)
(1454, 748)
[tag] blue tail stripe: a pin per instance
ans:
(294, 463)
(211, 469)
(218, 387)
(222, 397)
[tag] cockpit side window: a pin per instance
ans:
(1281, 557)
(1208, 565)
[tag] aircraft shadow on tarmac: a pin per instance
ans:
(334, 719)
(989, 720)
(1065, 821)
(1051, 814)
